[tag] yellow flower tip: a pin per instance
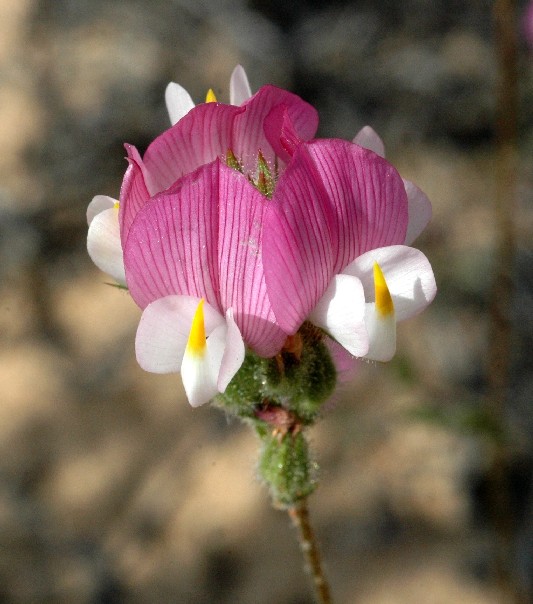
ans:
(384, 303)
(116, 205)
(210, 96)
(196, 343)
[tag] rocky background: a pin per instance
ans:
(112, 489)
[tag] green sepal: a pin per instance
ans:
(285, 467)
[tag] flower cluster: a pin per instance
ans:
(237, 227)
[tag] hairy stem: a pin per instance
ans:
(299, 514)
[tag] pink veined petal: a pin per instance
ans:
(234, 352)
(408, 274)
(201, 136)
(133, 193)
(281, 133)
(381, 334)
(172, 243)
(368, 138)
(98, 204)
(297, 245)
(366, 194)
(164, 330)
(239, 87)
(103, 244)
(249, 135)
(419, 211)
(178, 102)
(242, 281)
(340, 312)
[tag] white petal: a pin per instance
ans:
(239, 87)
(234, 352)
(408, 274)
(199, 374)
(103, 244)
(179, 102)
(420, 211)
(98, 204)
(340, 312)
(164, 330)
(381, 334)
(368, 138)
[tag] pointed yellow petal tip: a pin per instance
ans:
(210, 96)
(196, 343)
(384, 303)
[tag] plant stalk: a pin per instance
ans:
(299, 514)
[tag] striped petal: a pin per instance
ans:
(419, 206)
(242, 281)
(366, 195)
(297, 245)
(134, 192)
(172, 246)
(201, 136)
(281, 133)
(250, 135)
(334, 202)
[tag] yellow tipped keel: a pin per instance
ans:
(196, 343)
(384, 303)
(210, 96)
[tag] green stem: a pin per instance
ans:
(299, 514)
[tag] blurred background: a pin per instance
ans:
(112, 489)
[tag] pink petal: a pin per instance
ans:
(368, 138)
(202, 238)
(281, 133)
(172, 243)
(367, 196)
(200, 137)
(335, 201)
(419, 211)
(297, 244)
(249, 131)
(408, 274)
(239, 87)
(133, 192)
(242, 281)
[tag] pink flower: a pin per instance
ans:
(237, 226)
